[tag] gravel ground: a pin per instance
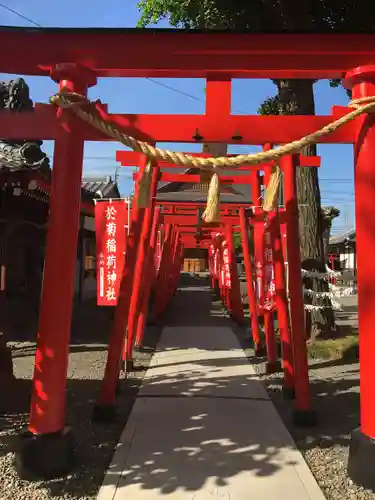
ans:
(335, 394)
(334, 386)
(95, 443)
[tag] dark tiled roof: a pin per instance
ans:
(200, 197)
(101, 188)
(179, 191)
(19, 155)
(342, 237)
(241, 194)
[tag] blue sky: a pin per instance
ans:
(144, 96)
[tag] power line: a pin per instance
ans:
(181, 92)
(164, 85)
(18, 14)
(175, 90)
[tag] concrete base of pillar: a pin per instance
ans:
(260, 351)
(118, 387)
(45, 456)
(289, 392)
(305, 418)
(141, 355)
(142, 350)
(104, 414)
(273, 367)
(361, 460)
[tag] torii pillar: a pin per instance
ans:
(46, 447)
(361, 81)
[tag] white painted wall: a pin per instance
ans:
(347, 260)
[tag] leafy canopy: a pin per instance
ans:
(314, 16)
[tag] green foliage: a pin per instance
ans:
(273, 106)
(315, 16)
(328, 214)
(336, 83)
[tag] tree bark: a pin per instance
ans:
(297, 98)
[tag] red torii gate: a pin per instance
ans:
(74, 59)
(303, 412)
(187, 213)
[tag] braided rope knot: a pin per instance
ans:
(363, 101)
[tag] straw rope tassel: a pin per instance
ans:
(212, 212)
(272, 190)
(145, 186)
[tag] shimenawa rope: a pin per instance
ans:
(85, 109)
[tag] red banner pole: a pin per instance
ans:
(282, 307)
(160, 282)
(149, 283)
(273, 365)
(139, 270)
(226, 275)
(105, 406)
(250, 283)
(303, 411)
(237, 310)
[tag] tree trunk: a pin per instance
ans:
(297, 98)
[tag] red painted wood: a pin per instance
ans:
(361, 82)
(47, 412)
(254, 129)
(185, 54)
(140, 268)
(117, 335)
(297, 313)
(249, 269)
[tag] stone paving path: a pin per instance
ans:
(203, 426)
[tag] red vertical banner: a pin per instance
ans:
(158, 249)
(264, 273)
(259, 261)
(268, 273)
(111, 227)
(226, 266)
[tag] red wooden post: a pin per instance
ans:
(217, 268)
(224, 255)
(166, 277)
(174, 270)
(211, 250)
(178, 263)
(149, 283)
(362, 446)
(258, 238)
(139, 274)
(47, 413)
(235, 292)
(105, 406)
(303, 414)
(160, 282)
(250, 282)
(282, 307)
(273, 365)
